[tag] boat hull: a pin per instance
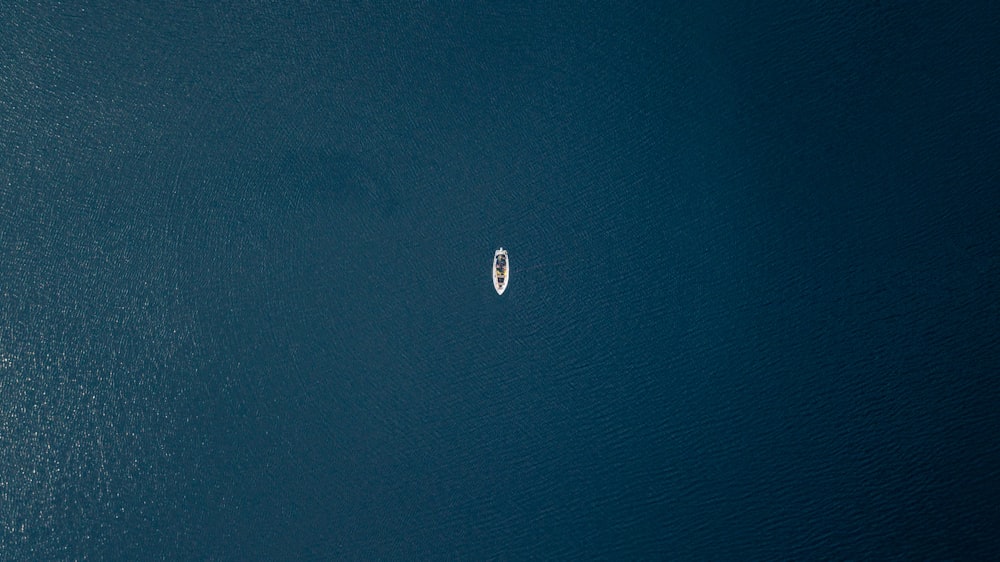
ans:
(501, 271)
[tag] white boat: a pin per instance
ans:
(501, 271)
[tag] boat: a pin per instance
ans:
(501, 271)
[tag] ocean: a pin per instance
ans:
(246, 310)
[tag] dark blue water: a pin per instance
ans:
(246, 308)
